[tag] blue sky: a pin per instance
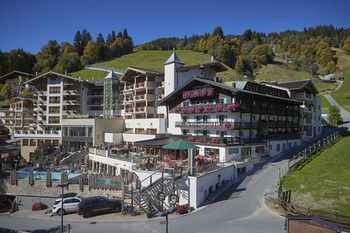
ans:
(29, 24)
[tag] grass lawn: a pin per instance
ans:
(90, 74)
(325, 105)
(342, 96)
(279, 73)
(282, 74)
(154, 60)
(323, 183)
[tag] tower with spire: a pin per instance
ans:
(171, 79)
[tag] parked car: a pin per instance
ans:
(98, 205)
(70, 205)
(68, 195)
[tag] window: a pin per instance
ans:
(233, 151)
(211, 151)
(245, 152)
(54, 100)
(40, 142)
(32, 142)
(278, 147)
(25, 142)
(54, 120)
(55, 109)
(55, 90)
(259, 149)
(55, 143)
(184, 132)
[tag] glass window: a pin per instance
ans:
(259, 149)
(54, 120)
(55, 143)
(245, 152)
(54, 100)
(233, 151)
(55, 109)
(32, 142)
(25, 142)
(55, 90)
(211, 151)
(278, 147)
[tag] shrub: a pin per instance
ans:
(182, 209)
(38, 206)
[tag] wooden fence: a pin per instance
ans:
(284, 199)
(313, 149)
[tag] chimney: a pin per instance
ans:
(36, 73)
(212, 59)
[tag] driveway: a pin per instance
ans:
(344, 113)
(242, 210)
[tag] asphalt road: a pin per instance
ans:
(344, 113)
(239, 209)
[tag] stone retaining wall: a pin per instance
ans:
(40, 189)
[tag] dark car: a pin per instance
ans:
(98, 205)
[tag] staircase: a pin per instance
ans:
(151, 194)
(142, 201)
(79, 156)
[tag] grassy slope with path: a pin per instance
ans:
(325, 104)
(342, 96)
(274, 72)
(154, 60)
(323, 183)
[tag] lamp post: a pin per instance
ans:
(165, 214)
(65, 184)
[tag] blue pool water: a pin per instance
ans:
(43, 175)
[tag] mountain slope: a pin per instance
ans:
(153, 60)
(342, 96)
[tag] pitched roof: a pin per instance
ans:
(296, 85)
(173, 59)
(139, 70)
(177, 94)
(111, 75)
(17, 72)
(58, 74)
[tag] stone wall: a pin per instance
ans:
(40, 189)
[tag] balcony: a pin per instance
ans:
(75, 92)
(139, 86)
(231, 107)
(226, 125)
(219, 141)
(37, 133)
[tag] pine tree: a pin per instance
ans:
(125, 34)
(113, 36)
(99, 39)
(109, 39)
(120, 35)
(85, 38)
(77, 43)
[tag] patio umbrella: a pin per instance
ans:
(179, 145)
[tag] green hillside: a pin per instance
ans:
(342, 96)
(280, 73)
(153, 60)
(323, 183)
